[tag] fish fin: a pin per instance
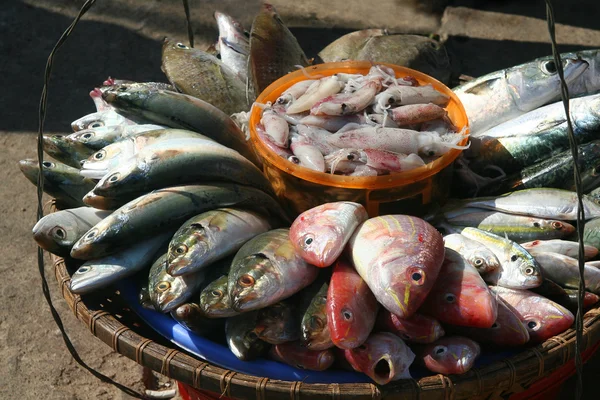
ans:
(545, 125)
(235, 47)
(483, 87)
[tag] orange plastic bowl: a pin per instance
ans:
(407, 192)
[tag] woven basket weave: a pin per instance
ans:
(109, 319)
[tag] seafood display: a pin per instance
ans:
(161, 186)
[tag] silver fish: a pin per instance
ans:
(564, 270)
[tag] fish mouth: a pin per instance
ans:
(92, 173)
(383, 370)
(28, 168)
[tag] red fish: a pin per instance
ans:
(351, 307)
(296, 355)
(384, 357)
(416, 329)
(507, 330)
(320, 234)
(461, 297)
(451, 355)
(399, 257)
(542, 317)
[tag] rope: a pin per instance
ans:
(40, 206)
(564, 94)
(188, 24)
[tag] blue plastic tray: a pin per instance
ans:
(221, 356)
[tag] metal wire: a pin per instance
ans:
(564, 93)
(40, 209)
(188, 24)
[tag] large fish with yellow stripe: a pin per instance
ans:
(399, 257)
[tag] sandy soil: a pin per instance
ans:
(122, 39)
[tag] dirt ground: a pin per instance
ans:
(122, 38)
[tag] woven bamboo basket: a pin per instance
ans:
(108, 318)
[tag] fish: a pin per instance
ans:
(564, 270)
(399, 257)
(267, 270)
(535, 136)
(419, 328)
(108, 117)
(565, 297)
(211, 236)
(554, 172)
(278, 323)
(202, 75)
(214, 299)
(296, 355)
(589, 299)
(103, 271)
(60, 181)
(591, 232)
(565, 247)
(506, 94)
(320, 234)
(384, 357)
(66, 151)
(274, 51)
(58, 232)
(450, 355)
(181, 111)
(105, 203)
(234, 45)
(518, 268)
(538, 202)
(241, 338)
(165, 209)
(518, 228)
(116, 154)
(169, 292)
(477, 254)
(413, 51)
(314, 325)
(506, 331)
(160, 166)
(542, 317)
(144, 298)
(190, 316)
(461, 297)
(351, 307)
(98, 138)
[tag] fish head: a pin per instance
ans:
(544, 318)
(107, 158)
(484, 260)
(188, 248)
(534, 84)
(55, 144)
(127, 176)
(56, 235)
(451, 355)
(214, 298)
(184, 312)
(255, 284)
(314, 328)
(89, 243)
(241, 338)
(229, 28)
(276, 323)
(165, 292)
(144, 298)
(89, 136)
(90, 121)
(549, 225)
(90, 277)
(523, 271)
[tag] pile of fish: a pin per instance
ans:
(518, 127)
(161, 183)
(359, 125)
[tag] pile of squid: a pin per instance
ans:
(359, 125)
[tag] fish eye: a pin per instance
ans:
(529, 271)
(294, 159)
(181, 46)
(182, 249)
(478, 262)
(246, 280)
(439, 350)
(532, 324)
(308, 240)
(99, 155)
(114, 177)
(84, 269)
(122, 89)
(58, 136)
(496, 325)
(536, 224)
(48, 164)
(514, 258)
(417, 275)
(316, 323)
(87, 136)
(217, 293)
(549, 67)
(59, 233)
(347, 315)
(91, 234)
(450, 298)
(163, 286)
(557, 225)
(95, 124)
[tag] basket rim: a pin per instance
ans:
(509, 375)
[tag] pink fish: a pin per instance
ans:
(542, 317)
(384, 357)
(451, 355)
(399, 257)
(462, 297)
(351, 307)
(416, 329)
(507, 330)
(320, 234)
(296, 355)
